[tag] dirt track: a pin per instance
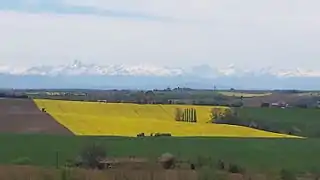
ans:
(23, 116)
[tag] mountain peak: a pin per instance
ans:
(79, 74)
(76, 63)
(78, 67)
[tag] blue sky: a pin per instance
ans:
(249, 33)
(61, 7)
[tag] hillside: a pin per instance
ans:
(300, 121)
(87, 118)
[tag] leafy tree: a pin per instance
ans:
(149, 96)
(178, 115)
(92, 154)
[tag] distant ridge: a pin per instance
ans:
(79, 68)
(78, 75)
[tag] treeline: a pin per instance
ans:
(176, 96)
(20, 96)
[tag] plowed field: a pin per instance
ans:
(23, 116)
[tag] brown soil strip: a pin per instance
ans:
(23, 116)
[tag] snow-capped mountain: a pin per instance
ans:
(82, 75)
(79, 68)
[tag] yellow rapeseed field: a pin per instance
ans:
(119, 119)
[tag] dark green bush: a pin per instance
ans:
(167, 160)
(287, 175)
(221, 165)
(22, 161)
(234, 168)
(91, 155)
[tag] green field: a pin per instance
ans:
(258, 155)
(269, 155)
(306, 120)
(243, 94)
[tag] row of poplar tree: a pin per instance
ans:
(186, 115)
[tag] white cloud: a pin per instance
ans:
(54, 38)
(212, 9)
(245, 33)
(169, 8)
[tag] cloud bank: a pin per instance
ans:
(247, 33)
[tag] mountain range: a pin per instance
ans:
(91, 76)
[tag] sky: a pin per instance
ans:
(248, 33)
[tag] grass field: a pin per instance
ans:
(87, 118)
(306, 120)
(254, 154)
(245, 95)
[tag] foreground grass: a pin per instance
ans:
(254, 154)
(13, 172)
